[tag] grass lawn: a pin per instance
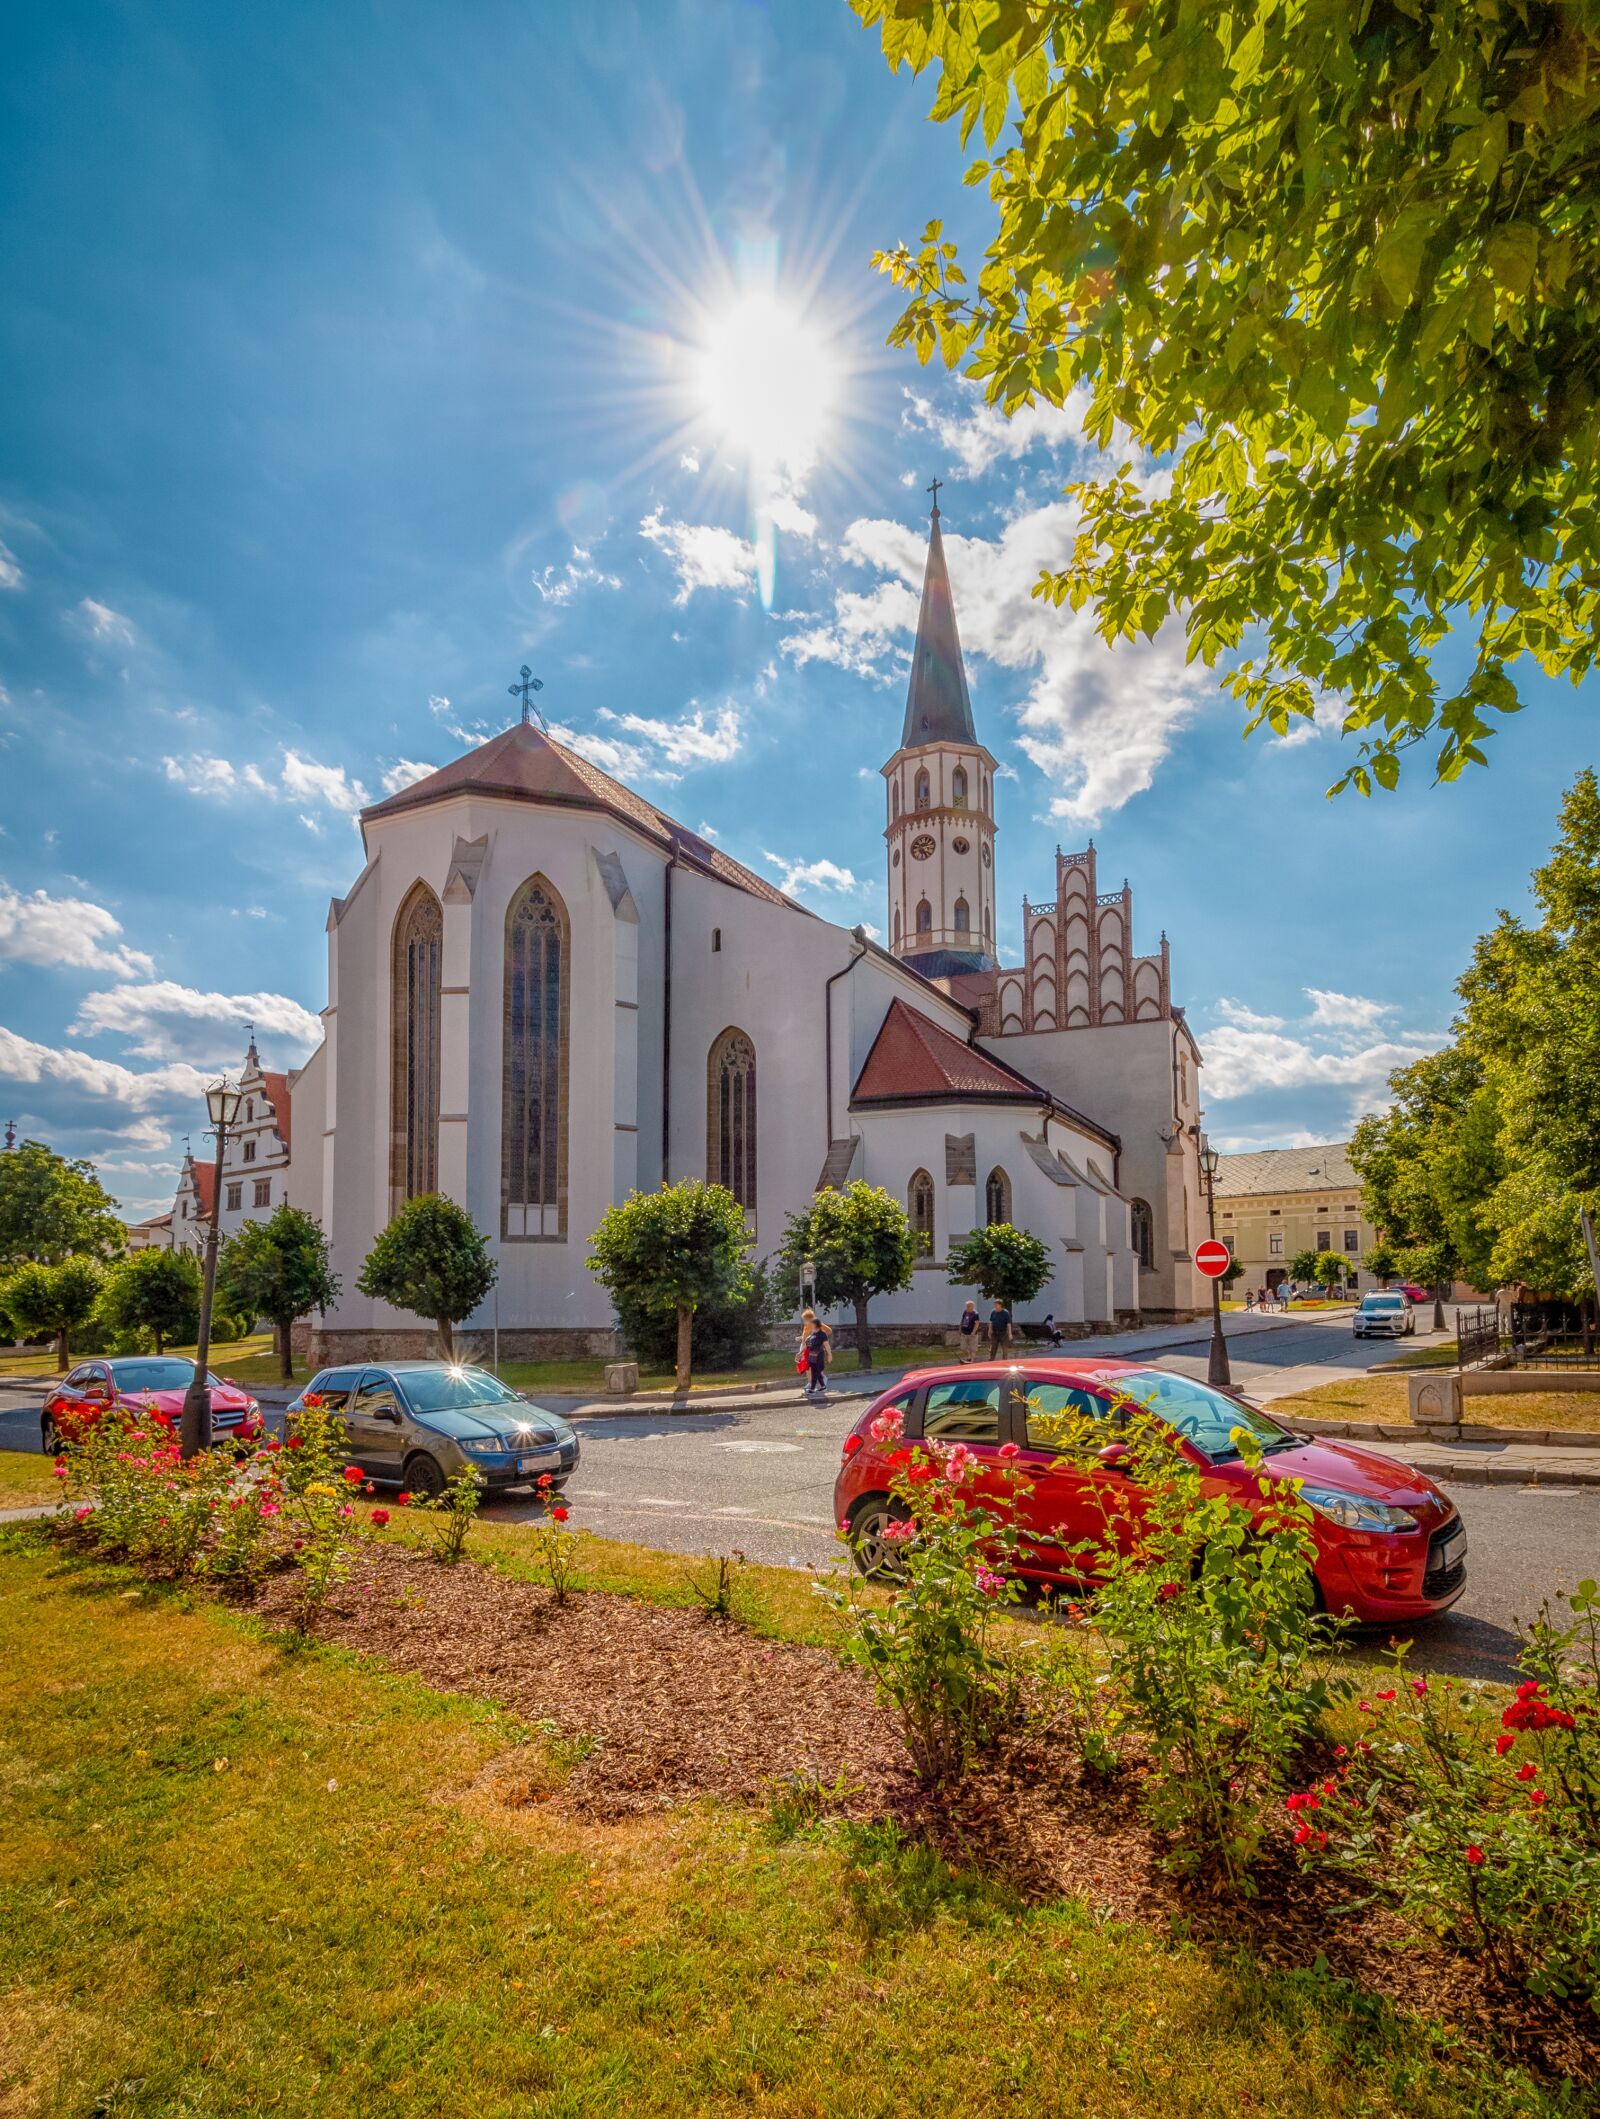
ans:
(1385, 1398)
(25, 1477)
(240, 1880)
(248, 1360)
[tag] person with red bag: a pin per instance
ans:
(812, 1359)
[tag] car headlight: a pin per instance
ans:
(1350, 1512)
(489, 1448)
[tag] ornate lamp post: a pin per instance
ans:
(195, 1431)
(1217, 1369)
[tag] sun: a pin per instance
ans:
(766, 381)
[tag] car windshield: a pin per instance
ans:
(1383, 1302)
(153, 1374)
(1199, 1414)
(445, 1390)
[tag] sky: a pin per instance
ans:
(353, 357)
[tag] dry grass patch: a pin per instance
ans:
(1386, 1399)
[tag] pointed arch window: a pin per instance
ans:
(924, 917)
(533, 1149)
(924, 795)
(894, 799)
(1142, 1230)
(997, 1198)
(919, 1206)
(731, 1116)
(415, 1009)
(958, 788)
(897, 928)
(963, 917)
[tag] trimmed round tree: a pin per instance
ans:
(53, 1299)
(1382, 1262)
(433, 1261)
(1004, 1264)
(155, 1291)
(668, 1252)
(860, 1243)
(279, 1269)
(1305, 1268)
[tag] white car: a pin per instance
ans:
(1384, 1314)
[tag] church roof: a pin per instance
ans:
(914, 1061)
(204, 1176)
(938, 708)
(277, 1088)
(526, 765)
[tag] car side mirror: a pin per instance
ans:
(391, 1414)
(1114, 1457)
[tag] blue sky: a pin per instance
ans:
(353, 356)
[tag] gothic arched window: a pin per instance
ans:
(414, 1009)
(919, 1205)
(924, 917)
(731, 1116)
(997, 1198)
(963, 917)
(958, 788)
(1143, 1233)
(924, 795)
(897, 929)
(894, 799)
(533, 1148)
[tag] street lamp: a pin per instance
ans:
(1217, 1369)
(194, 1433)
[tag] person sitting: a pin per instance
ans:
(1052, 1331)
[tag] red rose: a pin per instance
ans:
(544, 1479)
(1502, 1744)
(851, 1444)
(380, 1516)
(297, 1441)
(899, 1459)
(1169, 1590)
(1537, 1797)
(1474, 1857)
(1529, 1772)
(1385, 1695)
(354, 1474)
(558, 1514)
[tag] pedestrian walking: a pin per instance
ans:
(971, 1332)
(999, 1330)
(815, 1345)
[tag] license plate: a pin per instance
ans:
(546, 1461)
(1452, 1547)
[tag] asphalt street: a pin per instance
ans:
(759, 1479)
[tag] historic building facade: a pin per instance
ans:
(545, 993)
(255, 1170)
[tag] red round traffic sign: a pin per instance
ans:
(1212, 1257)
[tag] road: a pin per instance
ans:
(760, 1479)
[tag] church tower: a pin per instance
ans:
(940, 800)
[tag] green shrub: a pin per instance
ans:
(725, 1332)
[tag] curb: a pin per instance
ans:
(1453, 1470)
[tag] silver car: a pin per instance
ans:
(1384, 1314)
(414, 1424)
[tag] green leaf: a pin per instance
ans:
(1512, 252)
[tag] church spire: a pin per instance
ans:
(938, 708)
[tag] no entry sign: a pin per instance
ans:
(1213, 1257)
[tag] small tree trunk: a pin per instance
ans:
(685, 1348)
(160, 1349)
(63, 1358)
(863, 1345)
(447, 1338)
(284, 1328)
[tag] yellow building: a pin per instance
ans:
(1276, 1202)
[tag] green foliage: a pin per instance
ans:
(725, 1330)
(52, 1207)
(1340, 268)
(664, 1254)
(1305, 1268)
(860, 1243)
(1382, 1262)
(320, 1486)
(53, 1300)
(1004, 1264)
(279, 1269)
(1332, 1267)
(431, 1260)
(451, 1512)
(1235, 1272)
(155, 1291)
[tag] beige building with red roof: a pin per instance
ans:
(255, 1171)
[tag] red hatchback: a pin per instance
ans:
(1390, 1545)
(152, 1384)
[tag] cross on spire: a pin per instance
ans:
(934, 490)
(525, 691)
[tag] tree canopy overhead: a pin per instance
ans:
(1338, 262)
(53, 1208)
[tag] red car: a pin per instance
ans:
(1390, 1545)
(143, 1383)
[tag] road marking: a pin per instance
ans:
(751, 1449)
(658, 1501)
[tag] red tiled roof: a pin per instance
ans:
(205, 1183)
(277, 1088)
(913, 1061)
(529, 766)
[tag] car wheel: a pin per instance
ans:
(425, 1476)
(870, 1551)
(50, 1437)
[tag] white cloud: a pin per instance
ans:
(1096, 721)
(709, 831)
(1349, 1013)
(306, 781)
(657, 750)
(1340, 1044)
(811, 875)
(703, 555)
(556, 584)
(162, 1020)
(10, 572)
(100, 1080)
(688, 461)
(980, 434)
(1246, 1018)
(103, 623)
(39, 929)
(470, 734)
(300, 779)
(405, 772)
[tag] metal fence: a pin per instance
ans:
(1477, 1336)
(1553, 1335)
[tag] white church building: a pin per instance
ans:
(544, 994)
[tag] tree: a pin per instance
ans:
(860, 1243)
(53, 1299)
(1428, 1165)
(280, 1269)
(155, 1291)
(1004, 1264)
(1305, 1268)
(1331, 1270)
(671, 1251)
(52, 1208)
(724, 1332)
(1340, 268)
(1234, 1271)
(1382, 1262)
(433, 1261)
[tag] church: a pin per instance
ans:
(544, 993)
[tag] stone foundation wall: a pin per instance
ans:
(321, 1348)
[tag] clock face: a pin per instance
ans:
(961, 846)
(921, 846)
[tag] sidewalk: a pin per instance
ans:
(1468, 1462)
